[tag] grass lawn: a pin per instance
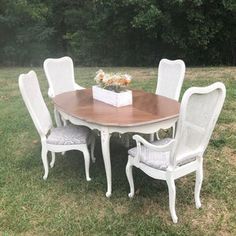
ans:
(66, 204)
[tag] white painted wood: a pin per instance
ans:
(45, 160)
(58, 118)
(198, 183)
(129, 175)
(60, 76)
(105, 141)
(110, 97)
(185, 169)
(139, 128)
(30, 90)
(105, 138)
(199, 111)
(170, 80)
(92, 141)
(53, 159)
(172, 195)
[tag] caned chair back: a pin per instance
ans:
(32, 96)
(60, 75)
(170, 78)
(199, 111)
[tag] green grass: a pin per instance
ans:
(66, 204)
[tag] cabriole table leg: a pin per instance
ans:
(105, 141)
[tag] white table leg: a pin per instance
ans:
(105, 141)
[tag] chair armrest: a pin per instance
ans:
(161, 148)
(78, 87)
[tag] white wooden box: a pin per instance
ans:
(111, 97)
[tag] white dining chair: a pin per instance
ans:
(170, 159)
(170, 80)
(60, 76)
(58, 139)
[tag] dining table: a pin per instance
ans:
(147, 114)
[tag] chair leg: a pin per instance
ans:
(64, 122)
(57, 118)
(157, 135)
(92, 147)
(129, 175)
(172, 196)
(53, 159)
(198, 184)
(127, 142)
(151, 137)
(173, 131)
(59, 121)
(45, 161)
(86, 162)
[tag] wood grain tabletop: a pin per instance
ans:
(146, 108)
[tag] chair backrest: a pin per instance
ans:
(170, 78)
(60, 74)
(32, 96)
(199, 111)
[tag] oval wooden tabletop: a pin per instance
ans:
(146, 108)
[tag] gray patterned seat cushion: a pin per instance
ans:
(68, 135)
(158, 160)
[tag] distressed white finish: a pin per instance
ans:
(40, 115)
(60, 76)
(170, 80)
(110, 97)
(106, 132)
(199, 111)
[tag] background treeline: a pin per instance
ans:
(118, 32)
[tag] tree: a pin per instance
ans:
(24, 32)
(125, 32)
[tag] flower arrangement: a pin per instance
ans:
(114, 81)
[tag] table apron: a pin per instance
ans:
(144, 128)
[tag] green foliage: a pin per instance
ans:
(24, 32)
(126, 32)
